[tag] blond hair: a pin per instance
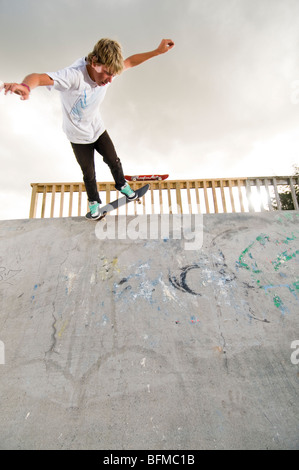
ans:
(107, 52)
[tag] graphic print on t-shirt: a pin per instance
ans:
(82, 103)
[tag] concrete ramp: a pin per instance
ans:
(148, 343)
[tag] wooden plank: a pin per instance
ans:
(117, 197)
(169, 198)
(160, 199)
(258, 187)
(269, 201)
(189, 197)
(248, 195)
(214, 197)
(71, 200)
(44, 202)
(197, 196)
(231, 194)
(152, 199)
(240, 196)
(277, 198)
(79, 199)
(61, 201)
(178, 198)
(107, 194)
(223, 196)
(205, 191)
(293, 192)
(52, 201)
(33, 203)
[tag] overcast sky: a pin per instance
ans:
(223, 103)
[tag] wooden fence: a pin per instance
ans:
(254, 194)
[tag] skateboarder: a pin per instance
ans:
(82, 88)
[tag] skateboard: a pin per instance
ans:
(118, 203)
(146, 177)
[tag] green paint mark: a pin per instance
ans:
(277, 301)
(262, 239)
(286, 240)
(282, 258)
(244, 252)
(279, 304)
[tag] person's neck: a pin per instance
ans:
(90, 72)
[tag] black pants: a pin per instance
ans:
(85, 157)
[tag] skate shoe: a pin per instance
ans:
(94, 207)
(128, 192)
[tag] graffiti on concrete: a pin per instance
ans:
(268, 258)
(181, 282)
(267, 265)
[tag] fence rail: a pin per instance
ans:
(254, 194)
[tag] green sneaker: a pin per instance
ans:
(128, 192)
(94, 207)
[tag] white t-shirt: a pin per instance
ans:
(81, 98)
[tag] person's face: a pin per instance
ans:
(101, 75)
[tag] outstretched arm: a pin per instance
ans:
(137, 59)
(31, 81)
